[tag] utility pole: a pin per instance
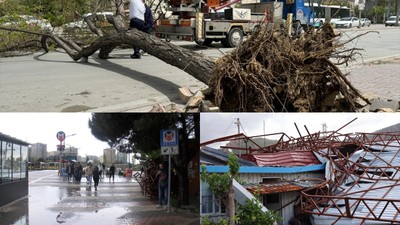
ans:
(238, 127)
(238, 124)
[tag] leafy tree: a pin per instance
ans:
(140, 133)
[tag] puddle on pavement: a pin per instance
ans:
(45, 209)
(100, 216)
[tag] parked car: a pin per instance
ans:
(365, 22)
(21, 20)
(347, 22)
(391, 21)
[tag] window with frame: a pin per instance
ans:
(209, 203)
(16, 162)
(6, 161)
(24, 161)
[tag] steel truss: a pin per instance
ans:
(358, 164)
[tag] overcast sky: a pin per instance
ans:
(43, 128)
(215, 125)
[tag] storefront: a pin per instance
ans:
(13, 169)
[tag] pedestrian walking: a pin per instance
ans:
(89, 173)
(104, 169)
(70, 171)
(162, 186)
(96, 176)
(100, 168)
(78, 172)
(112, 172)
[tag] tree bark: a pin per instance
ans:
(195, 64)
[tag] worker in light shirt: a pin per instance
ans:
(136, 20)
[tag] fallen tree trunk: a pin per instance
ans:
(271, 71)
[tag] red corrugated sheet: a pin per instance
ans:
(280, 187)
(285, 158)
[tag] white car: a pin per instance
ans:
(365, 22)
(391, 21)
(347, 22)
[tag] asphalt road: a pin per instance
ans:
(53, 82)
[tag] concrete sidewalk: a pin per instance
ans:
(54, 200)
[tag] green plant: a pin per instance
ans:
(251, 213)
(221, 221)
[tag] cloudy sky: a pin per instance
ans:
(43, 128)
(215, 125)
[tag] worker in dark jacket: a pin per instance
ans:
(96, 176)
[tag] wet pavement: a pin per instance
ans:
(54, 200)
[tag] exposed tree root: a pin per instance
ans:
(274, 72)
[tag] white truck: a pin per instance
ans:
(205, 22)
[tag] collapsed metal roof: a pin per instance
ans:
(289, 158)
(280, 186)
(362, 179)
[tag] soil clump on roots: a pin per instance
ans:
(274, 72)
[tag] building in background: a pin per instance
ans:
(70, 153)
(13, 169)
(53, 156)
(122, 157)
(38, 151)
(109, 156)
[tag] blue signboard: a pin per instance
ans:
(168, 138)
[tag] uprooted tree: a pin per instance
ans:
(270, 71)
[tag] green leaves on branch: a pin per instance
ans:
(219, 183)
(233, 164)
(251, 213)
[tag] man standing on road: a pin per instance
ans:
(162, 186)
(136, 20)
(112, 172)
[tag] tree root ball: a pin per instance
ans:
(274, 72)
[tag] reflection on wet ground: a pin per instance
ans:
(54, 200)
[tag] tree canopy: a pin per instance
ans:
(140, 132)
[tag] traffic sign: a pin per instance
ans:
(61, 136)
(170, 150)
(60, 147)
(169, 142)
(168, 138)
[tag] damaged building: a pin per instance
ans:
(319, 178)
